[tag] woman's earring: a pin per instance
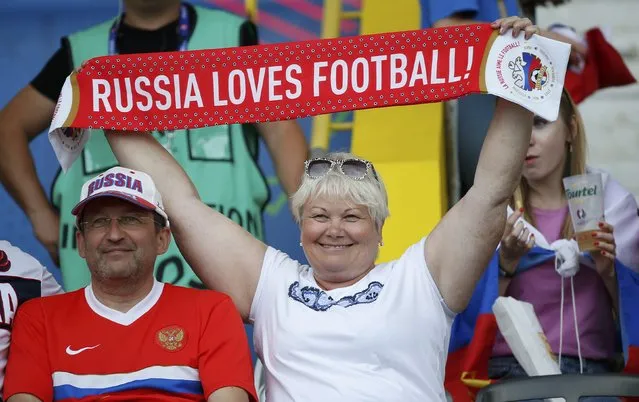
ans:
(300, 244)
(381, 243)
(570, 147)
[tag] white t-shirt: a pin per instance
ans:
(22, 278)
(384, 338)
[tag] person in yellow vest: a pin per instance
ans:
(222, 161)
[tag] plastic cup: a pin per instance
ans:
(585, 202)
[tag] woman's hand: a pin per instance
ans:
(605, 254)
(515, 242)
(517, 24)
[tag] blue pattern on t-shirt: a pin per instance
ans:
(318, 300)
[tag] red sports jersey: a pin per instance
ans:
(176, 344)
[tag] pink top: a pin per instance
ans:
(541, 286)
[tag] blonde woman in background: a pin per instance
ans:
(586, 338)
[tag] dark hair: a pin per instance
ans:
(158, 221)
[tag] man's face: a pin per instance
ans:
(119, 240)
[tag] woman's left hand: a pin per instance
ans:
(517, 24)
(605, 254)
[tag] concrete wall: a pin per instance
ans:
(611, 116)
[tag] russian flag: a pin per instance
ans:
(472, 338)
(473, 332)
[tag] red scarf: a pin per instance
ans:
(198, 88)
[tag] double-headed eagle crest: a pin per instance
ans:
(171, 338)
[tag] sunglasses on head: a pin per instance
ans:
(356, 169)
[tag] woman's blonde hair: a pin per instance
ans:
(575, 161)
(370, 191)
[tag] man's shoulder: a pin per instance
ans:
(54, 304)
(202, 296)
(61, 299)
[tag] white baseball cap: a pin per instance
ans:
(127, 184)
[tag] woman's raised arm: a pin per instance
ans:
(222, 254)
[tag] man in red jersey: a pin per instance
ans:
(127, 336)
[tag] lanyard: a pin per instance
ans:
(183, 31)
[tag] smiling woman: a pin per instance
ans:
(341, 212)
(342, 328)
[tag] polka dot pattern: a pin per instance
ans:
(191, 89)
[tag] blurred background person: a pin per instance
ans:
(590, 340)
(22, 278)
(224, 158)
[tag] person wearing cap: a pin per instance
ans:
(344, 328)
(126, 335)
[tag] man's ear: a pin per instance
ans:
(163, 238)
(79, 239)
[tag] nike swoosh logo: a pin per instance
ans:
(72, 352)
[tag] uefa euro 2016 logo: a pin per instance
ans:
(581, 214)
